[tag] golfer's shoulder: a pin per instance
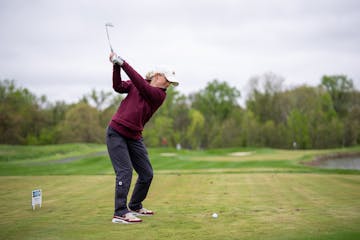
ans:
(160, 94)
(154, 96)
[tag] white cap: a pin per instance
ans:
(168, 74)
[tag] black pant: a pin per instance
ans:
(125, 155)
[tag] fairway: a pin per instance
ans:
(259, 196)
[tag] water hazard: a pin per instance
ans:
(341, 163)
(338, 161)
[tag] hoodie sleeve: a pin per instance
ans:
(119, 85)
(153, 95)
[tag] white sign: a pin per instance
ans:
(36, 198)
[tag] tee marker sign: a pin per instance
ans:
(36, 198)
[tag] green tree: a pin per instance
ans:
(315, 105)
(217, 100)
(53, 114)
(339, 88)
(159, 132)
(181, 119)
(195, 129)
(20, 116)
(81, 124)
(299, 128)
(265, 99)
(99, 99)
(269, 133)
(173, 115)
(231, 130)
(252, 135)
(329, 134)
(352, 127)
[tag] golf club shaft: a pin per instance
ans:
(107, 33)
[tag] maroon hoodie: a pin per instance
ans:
(138, 106)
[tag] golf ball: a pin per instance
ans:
(214, 215)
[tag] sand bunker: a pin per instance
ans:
(240, 154)
(168, 154)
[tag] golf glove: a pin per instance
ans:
(117, 60)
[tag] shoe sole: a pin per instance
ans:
(141, 215)
(116, 220)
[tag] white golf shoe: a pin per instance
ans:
(126, 218)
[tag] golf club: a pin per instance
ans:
(107, 33)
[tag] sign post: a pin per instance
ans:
(36, 198)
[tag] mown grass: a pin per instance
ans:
(265, 194)
(91, 159)
(250, 206)
(35, 154)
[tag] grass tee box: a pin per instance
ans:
(249, 206)
(257, 194)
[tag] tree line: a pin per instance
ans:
(303, 117)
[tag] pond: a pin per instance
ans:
(341, 163)
(338, 161)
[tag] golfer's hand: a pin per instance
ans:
(112, 54)
(115, 59)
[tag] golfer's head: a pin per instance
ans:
(162, 78)
(159, 80)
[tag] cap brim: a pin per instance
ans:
(174, 83)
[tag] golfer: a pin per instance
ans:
(124, 136)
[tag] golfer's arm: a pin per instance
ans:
(148, 92)
(119, 85)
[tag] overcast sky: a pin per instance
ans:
(60, 49)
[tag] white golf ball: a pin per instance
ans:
(214, 215)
